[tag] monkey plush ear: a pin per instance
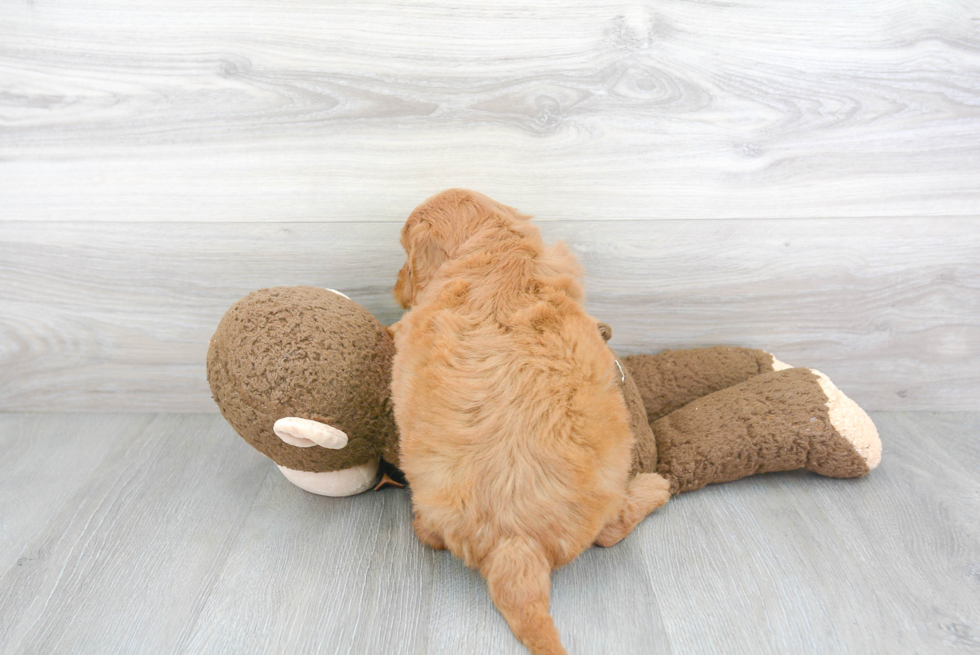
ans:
(304, 433)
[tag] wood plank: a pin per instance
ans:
(310, 574)
(125, 564)
(462, 618)
(602, 602)
(920, 524)
(746, 555)
(607, 601)
(183, 539)
(581, 110)
(37, 481)
(885, 563)
(117, 316)
(890, 310)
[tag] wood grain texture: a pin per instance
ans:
(306, 111)
(336, 575)
(125, 562)
(117, 316)
(173, 536)
(38, 481)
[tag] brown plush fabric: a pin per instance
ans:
(645, 450)
(777, 421)
(309, 353)
(673, 378)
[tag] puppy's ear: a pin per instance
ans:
(425, 256)
(518, 215)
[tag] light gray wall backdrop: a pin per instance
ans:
(800, 176)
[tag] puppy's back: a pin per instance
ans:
(520, 432)
(514, 436)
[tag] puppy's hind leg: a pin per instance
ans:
(519, 580)
(645, 493)
(427, 535)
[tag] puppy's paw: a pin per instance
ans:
(426, 535)
(649, 491)
(646, 492)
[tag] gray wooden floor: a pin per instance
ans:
(156, 533)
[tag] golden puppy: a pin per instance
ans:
(514, 435)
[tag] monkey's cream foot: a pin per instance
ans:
(778, 365)
(853, 425)
(345, 482)
(847, 417)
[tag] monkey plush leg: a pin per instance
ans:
(673, 378)
(777, 421)
(646, 492)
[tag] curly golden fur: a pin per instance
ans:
(514, 436)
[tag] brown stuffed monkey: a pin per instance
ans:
(303, 375)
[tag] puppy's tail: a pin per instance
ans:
(519, 580)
